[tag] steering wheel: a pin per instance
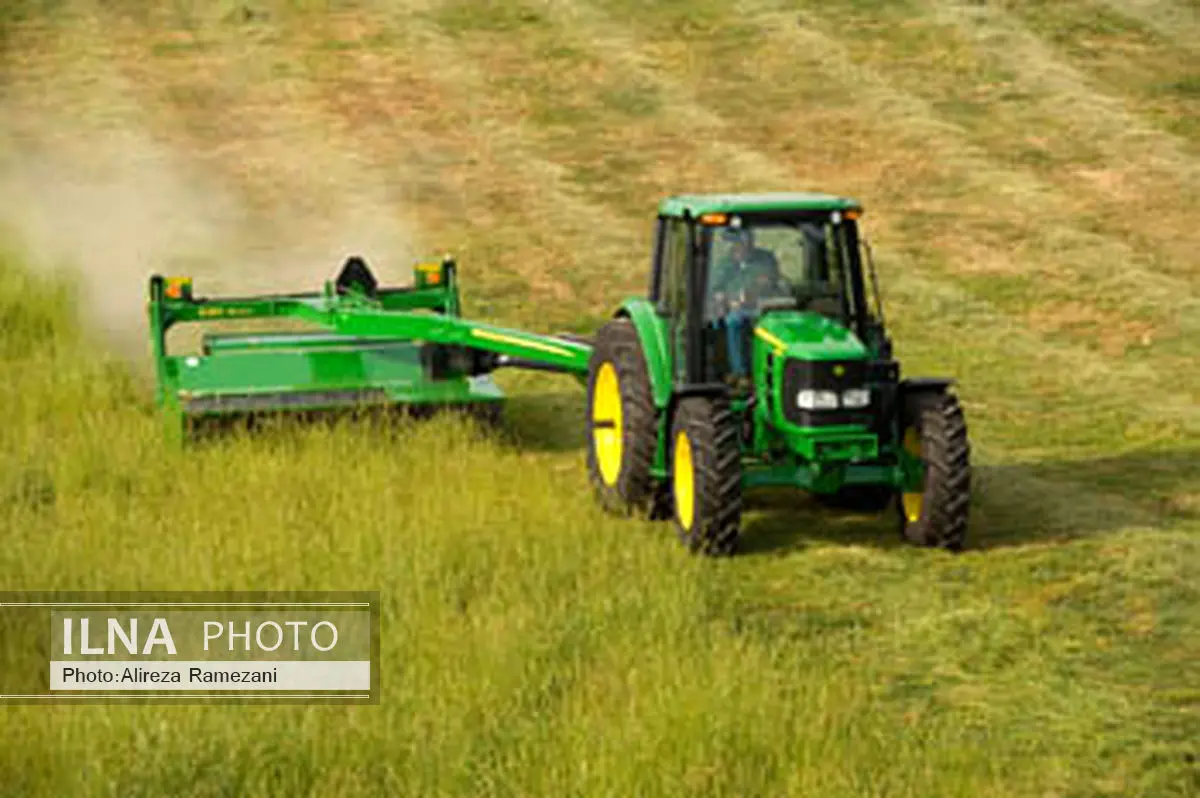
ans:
(717, 305)
(722, 303)
(809, 297)
(777, 303)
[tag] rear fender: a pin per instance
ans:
(652, 332)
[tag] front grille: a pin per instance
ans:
(824, 375)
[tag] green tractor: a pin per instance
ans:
(760, 358)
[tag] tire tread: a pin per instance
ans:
(716, 453)
(946, 449)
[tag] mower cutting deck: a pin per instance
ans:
(382, 347)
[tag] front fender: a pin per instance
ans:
(915, 385)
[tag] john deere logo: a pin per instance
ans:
(839, 371)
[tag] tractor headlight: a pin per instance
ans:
(856, 398)
(816, 400)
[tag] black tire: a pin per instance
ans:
(713, 525)
(629, 486)
(858, 498)
(936, 421)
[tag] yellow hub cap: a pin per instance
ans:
(606, 423)
(913, 502)
(684, 480)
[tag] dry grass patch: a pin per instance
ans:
(1108, 331)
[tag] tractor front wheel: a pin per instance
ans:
(706, 476)
(622, 428)
(935, 432)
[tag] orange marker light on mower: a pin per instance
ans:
(178, 287)
(714, 218)
(428, 274)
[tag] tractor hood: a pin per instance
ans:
(809, 336)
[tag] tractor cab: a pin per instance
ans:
(723, 263)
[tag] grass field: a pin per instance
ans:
(1031, 173)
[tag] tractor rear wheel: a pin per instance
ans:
(935, 431)
(622, 427)
(706, 476)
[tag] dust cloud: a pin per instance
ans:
(109, 209)
(109, 204)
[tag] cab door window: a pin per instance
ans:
(674, 298)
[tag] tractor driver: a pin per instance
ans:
(740, 280)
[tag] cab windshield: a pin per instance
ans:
(765, 265)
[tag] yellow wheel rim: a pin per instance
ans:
(912, 502)
(684, 481)
(606, 423)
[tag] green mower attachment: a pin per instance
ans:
(371, 346)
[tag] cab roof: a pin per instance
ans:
(696, 204)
